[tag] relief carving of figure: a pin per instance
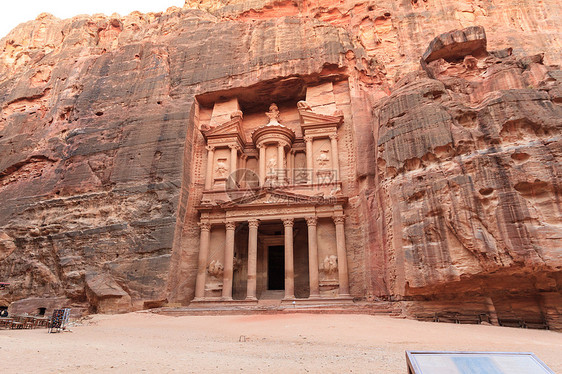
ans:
(215, 269)
(330, 264)
(323, 158)
(221, 170)
(272, 163)
(273, 113)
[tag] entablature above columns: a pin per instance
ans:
(256, 214)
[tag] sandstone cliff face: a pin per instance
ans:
(469, 179)
(95, 115)
(458, 168)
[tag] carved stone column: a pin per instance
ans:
(313, 256)
(261, 147)
(228, 261)
(233, 164)
(252, 259)
(202, 262)
(335, 156)
(309, 160)
(289, 263)
(244, 163)
(210, 162)
(290, 166)
(343, 276)
(280, 163)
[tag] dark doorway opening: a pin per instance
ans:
(41, 311)
(276, 267)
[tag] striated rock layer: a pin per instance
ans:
(456, 202)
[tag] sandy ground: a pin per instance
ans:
(286, 343)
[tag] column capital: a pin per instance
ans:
(308, 138)
(339, 220)
(260, 146)
(311, 221)
(334, 136)
(230, 225)
(210, 147)
(253, 223)
(234, 146)
(205, 226)
(288, 222)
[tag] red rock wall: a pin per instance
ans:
(457, 180)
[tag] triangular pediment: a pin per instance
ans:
(229, 128)
(309, 118)
(272, 196)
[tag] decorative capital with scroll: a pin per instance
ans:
(311, 221)
(230, 225)
(205, 226)
(288, 222)
(339, 220)
(254, 223)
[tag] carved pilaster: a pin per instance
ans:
(202, 261)
(309, 162)
(311, 222)
(228, 261)
(252, 259)
(289, 261)
(262, 171)
(335, 156)
(343, 277)
(210, 162)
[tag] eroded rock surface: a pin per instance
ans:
(468, 167)
(456, 198)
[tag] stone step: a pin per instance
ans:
(274, 306)
(272, 295)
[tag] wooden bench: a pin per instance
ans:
(540, 324)
(510, 322)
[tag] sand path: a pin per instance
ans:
(286, 343)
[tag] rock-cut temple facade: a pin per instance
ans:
(272, 207)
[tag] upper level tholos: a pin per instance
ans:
(293, 146)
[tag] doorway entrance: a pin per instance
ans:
(276, 267)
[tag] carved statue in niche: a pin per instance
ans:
(221, 170)
(323, 158)
(273, 113)
(330, 264)
(272, 163)
(304, 106)
(215, 269)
